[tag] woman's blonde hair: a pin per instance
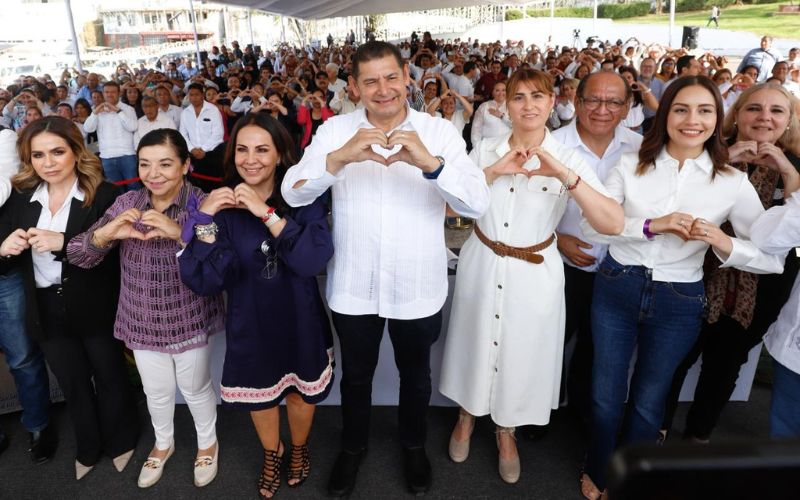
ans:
(789, 140)
(88, 167)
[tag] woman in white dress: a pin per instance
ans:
(505, 340)
(491, 119)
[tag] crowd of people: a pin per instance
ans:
(632, 196)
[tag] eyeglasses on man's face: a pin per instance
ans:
(593, 103)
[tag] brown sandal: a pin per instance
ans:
(270, 478)
(299, 455)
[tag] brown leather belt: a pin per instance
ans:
(528, 254)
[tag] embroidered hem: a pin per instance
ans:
(258, 395)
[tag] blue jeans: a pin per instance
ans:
(122, 168)
(663, 320)
(23, 356)
(784, 412)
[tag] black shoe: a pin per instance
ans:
(345, 470)
(418, 470)
(3, 443)
(43, 444)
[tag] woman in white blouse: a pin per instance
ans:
(447, 106)
(491, 119)
(505, 338)
(649, 290)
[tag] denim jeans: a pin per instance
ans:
(784, 412)
(122, 168)
(23, 356)
(662, 319)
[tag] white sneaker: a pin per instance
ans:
(205, 468)
(153, 468)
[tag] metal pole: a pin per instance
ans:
(283, 29)
(194, 29)
(75, 48)
(250, 24)
(594, 19)
(671, 20)
(552, 15)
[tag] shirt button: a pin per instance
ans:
(500, 287)
(544, 188)
(495, 369)
(496, 316)
(512, 189)
(505, 224)
(495, 343)
(65, 280)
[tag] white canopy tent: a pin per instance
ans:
(323, 9)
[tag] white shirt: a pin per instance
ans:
(625, 141)
(204, 131)
(114, 131)
(239, 105)
(486, 125)
(343, 105)
(565, 110)
(336, 86)
(46, 269)
(457, 120)
(777, 231)
(9, 162)
(664, 189)
(145, 125)
(461, 84)
(388, 234)
(173, 112)
(635, 117)
(417, 71)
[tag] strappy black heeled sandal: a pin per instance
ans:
(270, 478)
(299, 465)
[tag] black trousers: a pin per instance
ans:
(359, 340)
(90, 370)
(578, 287)
(725, 346)
(208, 173)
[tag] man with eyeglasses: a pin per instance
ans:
(602, 102)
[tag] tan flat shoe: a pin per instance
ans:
(509, 468)
(459, 450)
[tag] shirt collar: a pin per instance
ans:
(42, 196)
(703, 162)
(573, 139)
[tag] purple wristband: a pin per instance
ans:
(646, 230)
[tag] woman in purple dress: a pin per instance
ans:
(249, 243)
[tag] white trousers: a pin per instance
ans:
(191, 371)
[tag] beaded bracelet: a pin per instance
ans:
(204, 230)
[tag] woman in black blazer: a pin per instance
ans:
(59, 192)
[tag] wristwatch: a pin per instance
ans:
(433, 175)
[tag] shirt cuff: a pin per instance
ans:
(740, 255)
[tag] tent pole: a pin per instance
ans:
(75, 48)
(194, 29)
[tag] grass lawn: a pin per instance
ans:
(757, 19)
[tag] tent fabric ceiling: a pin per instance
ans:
(321, 9)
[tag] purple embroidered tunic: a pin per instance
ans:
(156, 312)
